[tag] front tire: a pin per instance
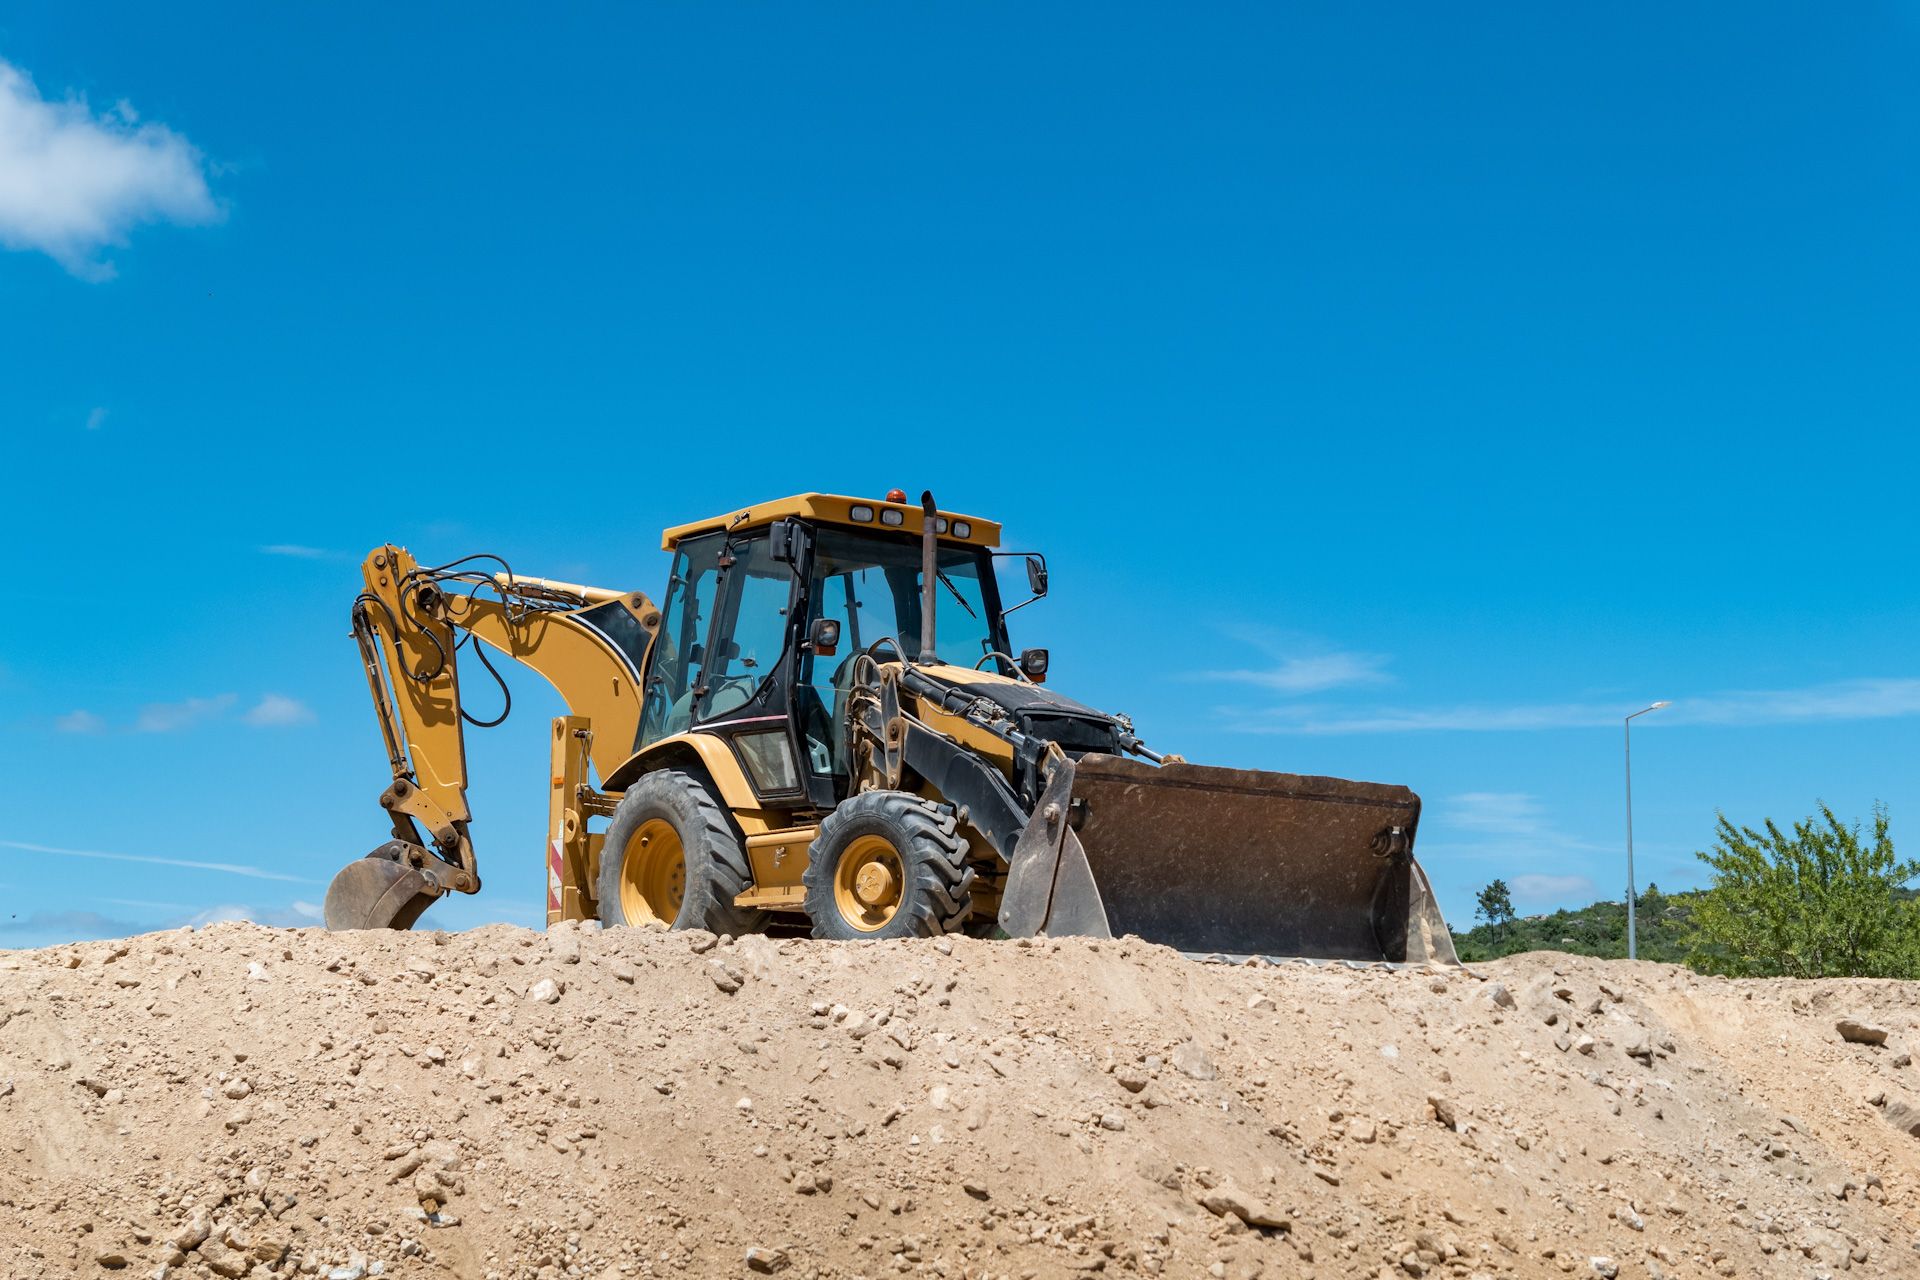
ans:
(671, 858)
(888, 864)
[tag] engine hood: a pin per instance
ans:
(1038, 710)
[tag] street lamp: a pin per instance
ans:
(1633, 948)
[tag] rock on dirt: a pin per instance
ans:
(635, 1103)
(1859, 1031)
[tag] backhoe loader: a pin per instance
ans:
(786, 742)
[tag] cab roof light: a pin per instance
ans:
(861, 513)
(939, 524)
(961, 529)
(892, 517)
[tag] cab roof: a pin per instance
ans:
(837, 509)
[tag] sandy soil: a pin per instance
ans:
(248, 1101)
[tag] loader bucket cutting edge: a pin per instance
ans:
(1206, 859)
(377, 892)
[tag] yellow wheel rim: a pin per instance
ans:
(868, 884)
(653, 874)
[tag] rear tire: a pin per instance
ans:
(888, 864)
(671, 858)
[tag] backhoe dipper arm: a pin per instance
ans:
(409, 622)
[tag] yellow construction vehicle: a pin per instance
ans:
(787, 742)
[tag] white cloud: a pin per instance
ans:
(96, 419)
(80, 721)
(1506, 813)
(296, 551)
(188, 864)
(293, 915)
(1866, 699)
(276, 710)
(73, 183)
(167, 717)
(1313, 674)
(1535, 889)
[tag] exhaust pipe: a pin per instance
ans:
(929, 576)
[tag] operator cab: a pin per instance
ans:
(736, 654)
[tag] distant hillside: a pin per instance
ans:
(1663, 923)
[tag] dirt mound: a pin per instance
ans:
(245, 1101)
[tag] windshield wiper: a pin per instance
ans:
(956, 593)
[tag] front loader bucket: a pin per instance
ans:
(1250, 863)
(379, 891)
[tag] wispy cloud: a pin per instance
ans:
(1538, 890)
(1866, 699)
(169, 717)
(79, 721)
(1310, 674)
(73, 183)
(1298, 663)
(276, 710)
(186, 864)
(96, 419)
(46, 928)
(1505, 813)
(293, 915)
(295, 551)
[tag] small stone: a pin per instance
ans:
(1190, 1060)
(1604, 1267)
(1500, 996)
(978, 1190)
(545, 991)
(1858, 1032)
(1132, 1079)
(565, 947)
(111, 1259)
(237, 1089)
(1584, 1045)
(1261, 1004)
(257, 972)
(1227, 1200)
(1361, 1129)
(766, 1261)
(1443, 1111)
(1114, 1121)
(700, 941)
(355, 1271)
(623, 972)
(723, 977)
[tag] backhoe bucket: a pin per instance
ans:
(1243, 862)
(379, 891)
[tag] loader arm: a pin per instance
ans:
(410, 622)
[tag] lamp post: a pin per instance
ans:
(1633, 948)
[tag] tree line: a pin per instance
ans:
(1822, 899)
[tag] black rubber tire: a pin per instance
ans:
(937, 888)
(716, 862)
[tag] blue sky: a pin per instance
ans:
(1398, 393)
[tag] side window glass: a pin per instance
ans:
(679, 649)
(754, 628)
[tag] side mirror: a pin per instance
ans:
(783, 541)
(1037, 576)
(824, 636)
(1033, 662)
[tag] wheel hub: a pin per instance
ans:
(876, 884)
(868, 883)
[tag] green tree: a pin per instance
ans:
(1819, 903)
(1495, 905)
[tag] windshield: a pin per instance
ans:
(871, 585)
